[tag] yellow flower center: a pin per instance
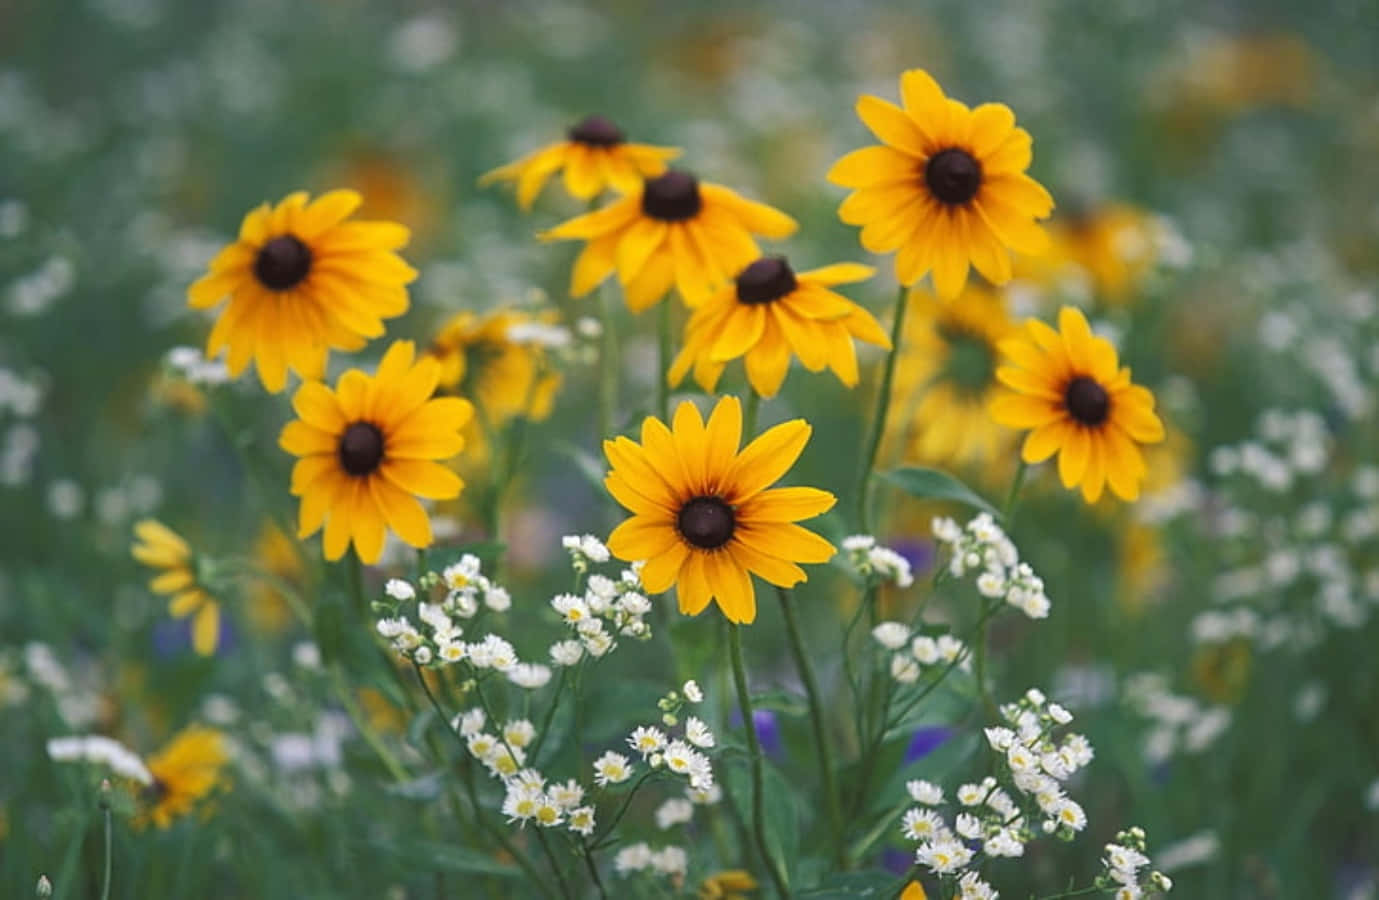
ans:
(1086, 401)
(597, 131)
(282, 263)
(361, 448)
(706, 522)
(953, 176)
(765, 280)
(672, 197)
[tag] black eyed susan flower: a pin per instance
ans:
(769, 313)
(184, 773)
(368, 449)
(946, 189)
(596, 157)
(159, 547)
(484, 357)
(702, 516)
(303, 281)
(1067, 386)
(672, 230)
(1108, 249)
(946, 377)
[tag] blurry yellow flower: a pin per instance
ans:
(368, 449)
(506, 378)
(703, 518)
(392, 190)
(178, 394)
(945, 378)
(276, 554)
(184, 772)
(595, 158)
(1237, 72)
(1068, 387)
(913, 891)
(730, 884)
(303, 281)
(1111, 249)
(159, 547)
(1142, 567)
(382, 714)
(1222, 671)
(672, 230)
(768, 313)
(946, 187)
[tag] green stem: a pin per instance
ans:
(816, 720)
(555, 864)
(602, 839)
(354, 571)
(1013, 495)
(588, 855)
(550, 715)
(663, 359)
(608, 365)
(878, 427)
(749, 416)
(109, 841)
(744, 700)
(370, 736)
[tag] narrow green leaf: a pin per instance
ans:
(932, 484)
(437, 856)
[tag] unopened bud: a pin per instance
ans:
(45, 887)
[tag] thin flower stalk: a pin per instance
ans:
(744, 700)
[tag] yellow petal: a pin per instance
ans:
(206, 629)
(762, 462)
(788, 504)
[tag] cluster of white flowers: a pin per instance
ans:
(983, 547)
(681, 755)
(606, 610)
(436, 639)
(869, 558)
(995, 817)
(1289, 445)
(1126, 868)
(669, 860)
(923, 651)
(1179, 723)
(103, 751)
(585, 549)
(189, 363)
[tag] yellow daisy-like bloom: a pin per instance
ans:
(946, 377)
(703, 519)
(1110, 250)
(184, 772)
(730, 884)
(769, 313)
(1068, 387)
(507, 377)
(159, 547)
(302, 281)
(274, 554)
(671, 230)
(596, 157)
(368, 449)
(946, 189)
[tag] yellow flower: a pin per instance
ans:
(703, 518)
(595, 158)
(1068, 387)
(1222, 671)
(184, 772)
(730, 884)
(159, 547)
(275, 554)
(367, 447)
(302, 281)
(946, 377)
(507, 378)
(913, 891)
(1113, 248)
(670, 230)
(767, 313)
(946, 188)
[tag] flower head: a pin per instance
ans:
(768, 313)
(368, 449)
(302, 281)
(184, 772)
(159, 547)
(1068, 387)
(594, 157)
(671, 230)
(946, 188)
(703, 518)
(483, 357)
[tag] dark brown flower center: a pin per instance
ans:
(361, 448)
(597, 131)
(971, 364)
(672, 197)
(282, 263)
(767, 279)
(953, 176)
(1086, 400)
(706, 522)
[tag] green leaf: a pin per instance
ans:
(932, 484)
(845, 885)
(437, 856)
(782, 702)
(782, 815)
